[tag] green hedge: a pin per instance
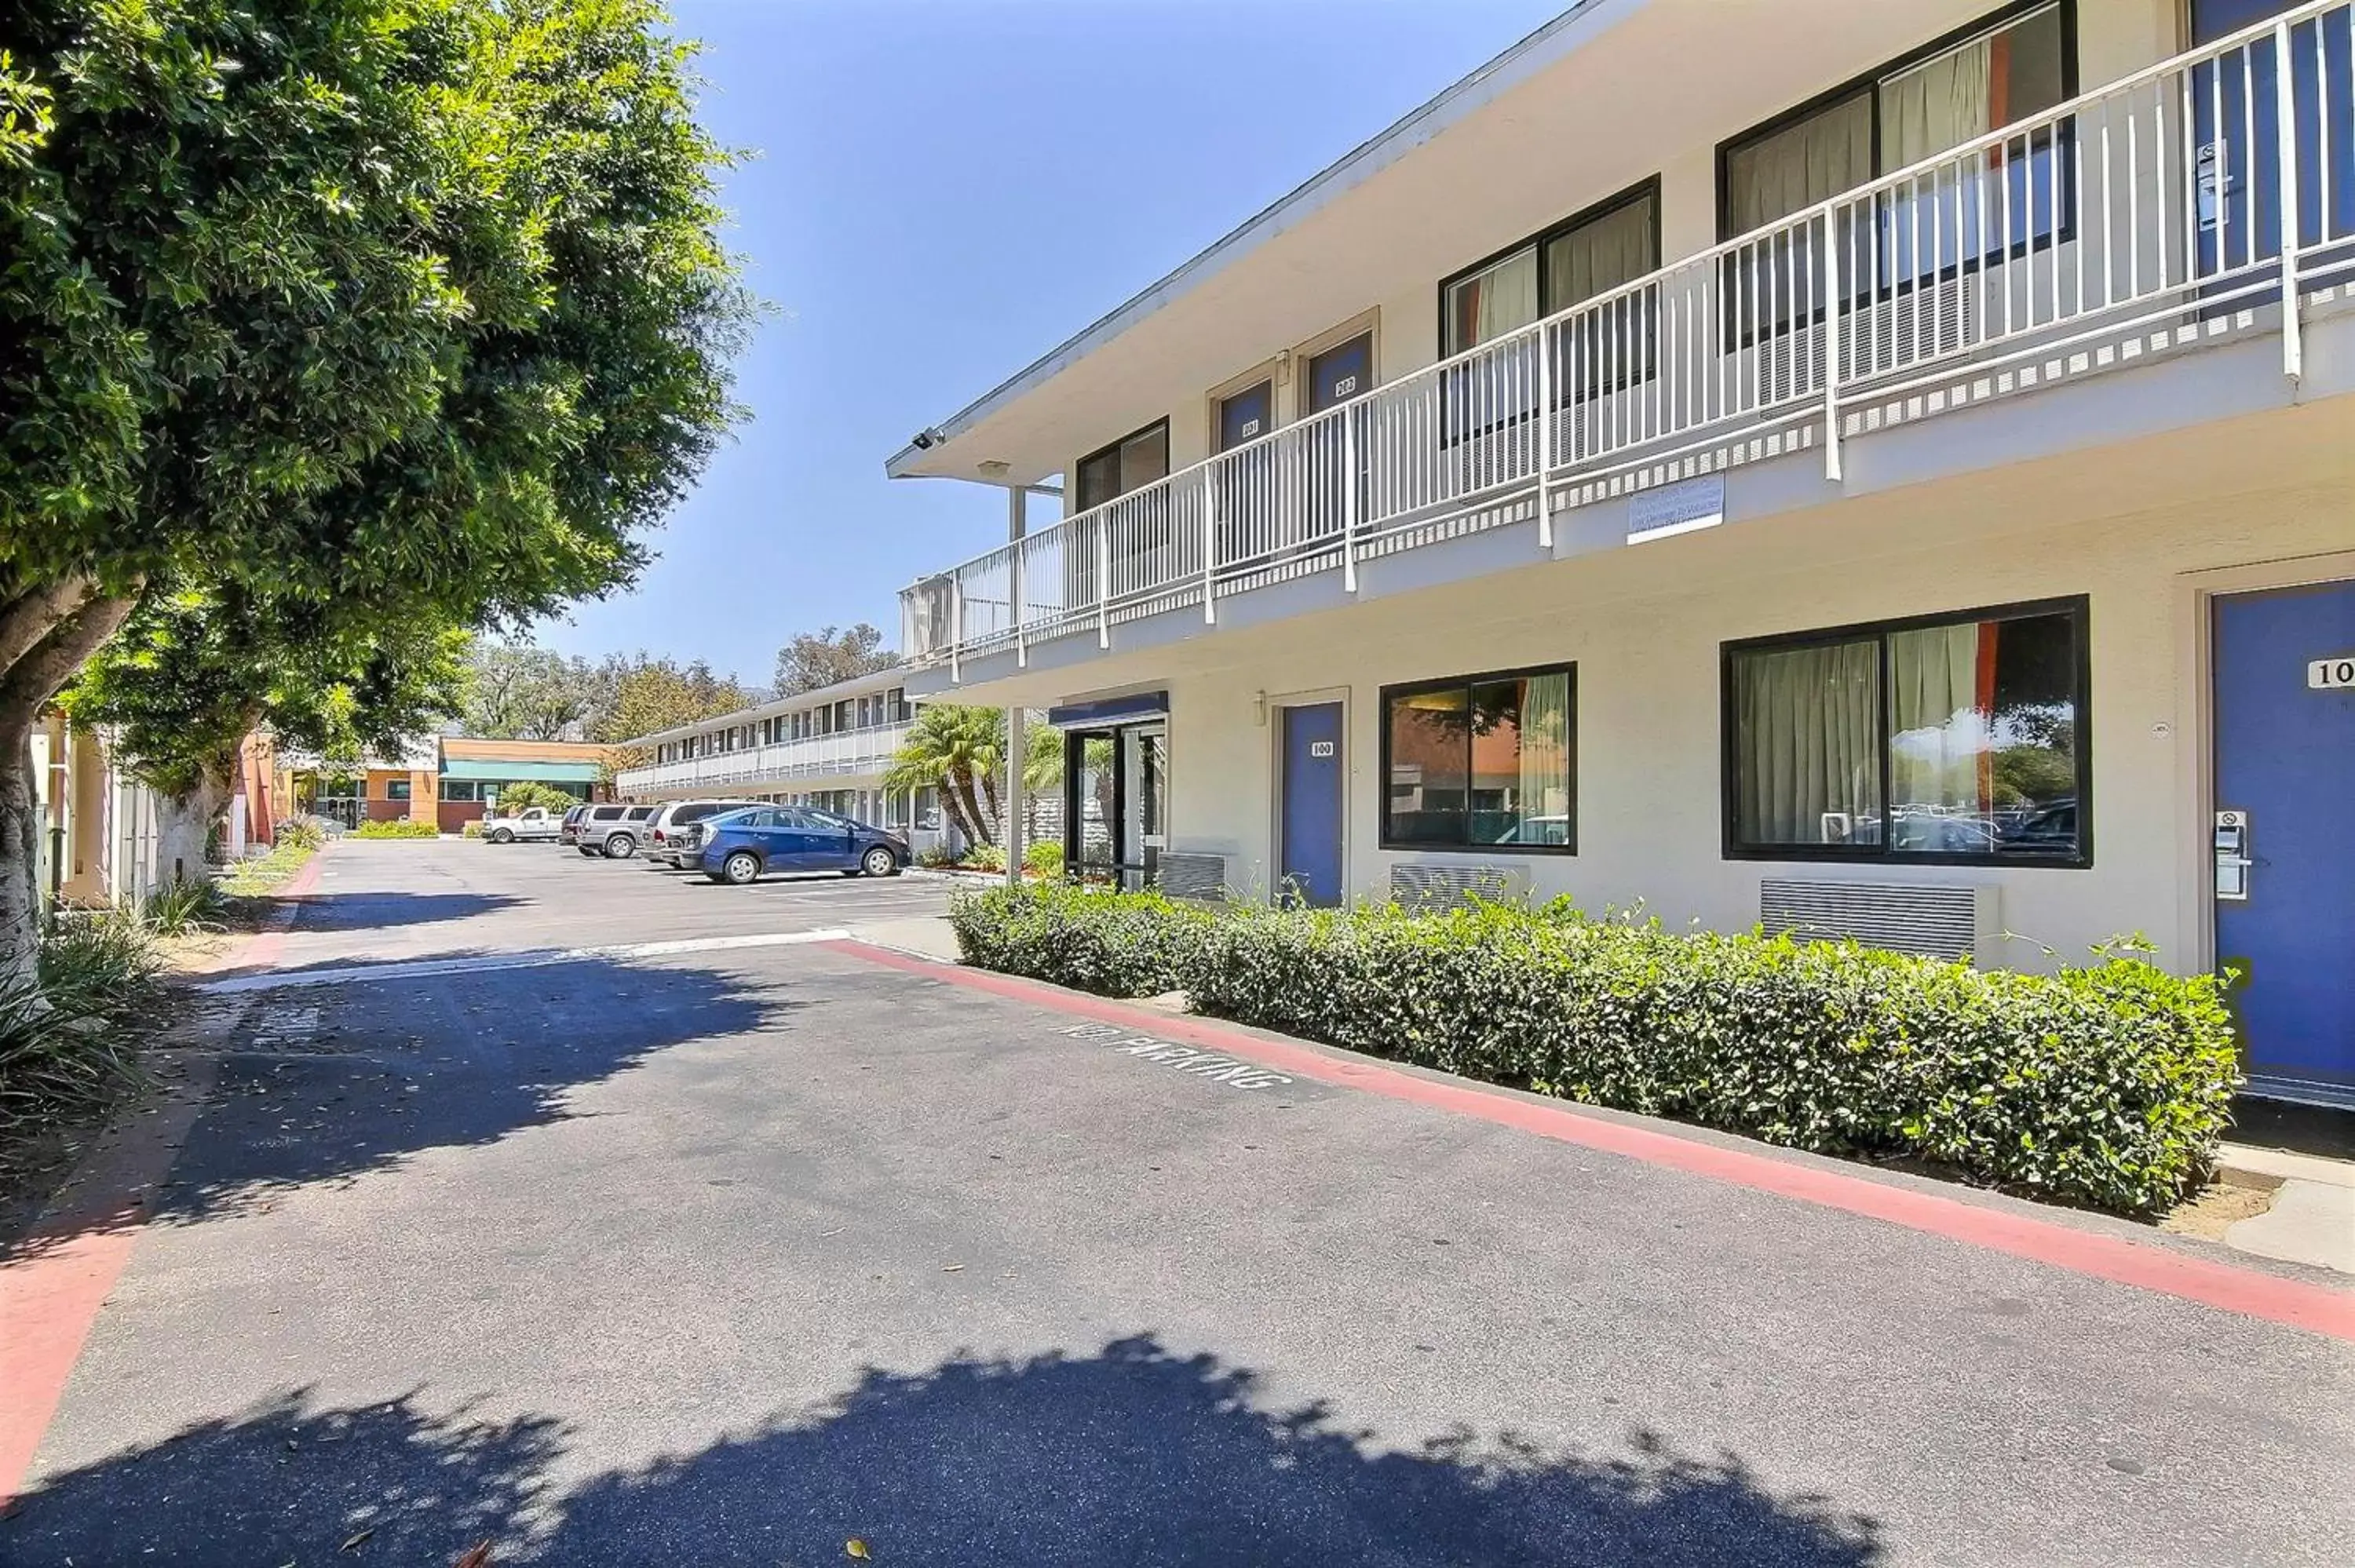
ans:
(2106, 1083)
(1128, 944)
(401, 828)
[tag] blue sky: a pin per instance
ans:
(944, 190)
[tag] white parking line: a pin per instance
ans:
(541, 958)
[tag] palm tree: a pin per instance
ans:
(956, 748)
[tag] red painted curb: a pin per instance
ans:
(51, 1293)
(2317, 1309)
(263, 950)
(50, 1298)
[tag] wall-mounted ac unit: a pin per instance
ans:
(1945, 920)
(1443, 885)
(1193, 874)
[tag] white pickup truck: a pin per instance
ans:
(534, 824)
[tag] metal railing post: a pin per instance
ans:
(1103, 582)
(1209, 544)
(2285, 116)
(956, 627)
(1831, 344)
(1545, 440)
(1349, 502)
(1014, 602)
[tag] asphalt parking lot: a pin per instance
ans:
(394, 901)
(740, 1254)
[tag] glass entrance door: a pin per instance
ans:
(1115, 787)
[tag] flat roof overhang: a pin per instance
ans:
(1619, 84)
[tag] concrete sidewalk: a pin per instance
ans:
(2312, 1219)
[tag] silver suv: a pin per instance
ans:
(613, 832)
(665, 844)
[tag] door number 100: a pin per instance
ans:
(2331, 674)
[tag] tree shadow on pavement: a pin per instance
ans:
(375, 911)
(1131, 1456)
(325, 1084)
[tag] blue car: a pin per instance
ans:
(738, 847)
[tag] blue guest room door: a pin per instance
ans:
(2284, 831)
(1310, 856)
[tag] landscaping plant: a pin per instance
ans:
(399, 827)
(63, 1050)
(2106, 1083)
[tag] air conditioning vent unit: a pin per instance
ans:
(1439, 884)
(1943, 920)
(1192, 875)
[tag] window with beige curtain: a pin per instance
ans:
(2010, 71)
(1971, 721)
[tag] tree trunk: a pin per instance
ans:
(184, 825)
(960, 780)
(955, 810)
(20, 893)
(46, 633)
(989, 796)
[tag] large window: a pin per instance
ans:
(1614, 242)
(1130, 463)
(396, 789)
(2013, 195)
(1957, 738)
(1481, 762)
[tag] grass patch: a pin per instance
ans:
(261, 876)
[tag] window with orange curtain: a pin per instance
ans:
(1942, 738)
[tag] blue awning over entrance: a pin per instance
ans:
(1134, 708)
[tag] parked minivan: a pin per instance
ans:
(611, 830)
(665, 841)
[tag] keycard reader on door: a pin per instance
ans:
(2232, 855)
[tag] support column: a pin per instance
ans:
(1017, 507)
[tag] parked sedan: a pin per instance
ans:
(666, 833)
(741, 846)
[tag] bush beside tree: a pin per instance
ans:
(2106, 1083)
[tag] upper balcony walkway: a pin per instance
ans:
(843, 755)
(2204, 199)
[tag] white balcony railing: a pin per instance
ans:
(2152, 214)
(844, 754)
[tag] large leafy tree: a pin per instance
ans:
(821, 658)
(517, 692)
(194, 671)
(650, 695)
(406, 313)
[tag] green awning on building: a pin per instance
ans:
(580, 773)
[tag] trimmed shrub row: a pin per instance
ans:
(2106, 1083)
(398, 828)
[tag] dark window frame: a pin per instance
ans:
(2077, 607)
(1869, 80)
(1857, 294)
(1112, 447)
(398, 789)
(1464, 683)
(1596, 387)
(1648, 186)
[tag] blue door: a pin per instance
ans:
(2236, 133)
(2285, 762)
(1311, 852)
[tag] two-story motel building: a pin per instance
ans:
(1882, 469)
(829, 748)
